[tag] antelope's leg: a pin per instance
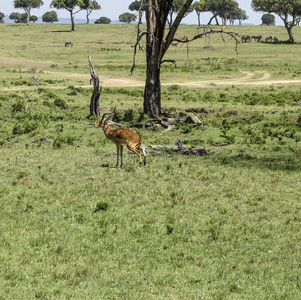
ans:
(139, 159)
(121, 154)
(134, 150)
(117, 146)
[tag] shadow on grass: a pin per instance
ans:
(276, 163)
(60, 31)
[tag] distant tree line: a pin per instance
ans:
(226, 10)
(289, 11)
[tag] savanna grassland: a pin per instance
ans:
(221, 226)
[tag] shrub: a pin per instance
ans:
(24, 127)
(60, 103)
(18, 106)
(101, 206)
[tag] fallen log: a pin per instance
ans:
(181, 149)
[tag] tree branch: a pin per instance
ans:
(174, 26)
(36, 80)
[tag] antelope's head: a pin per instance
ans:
(103, 122)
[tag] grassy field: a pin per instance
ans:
(221, 226)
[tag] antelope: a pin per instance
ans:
(121, 137)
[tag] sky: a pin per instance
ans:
(113, 8)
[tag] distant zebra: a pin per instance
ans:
(245, 38)
(257, 38)
(68, 43)
(276, 41)
(269, 39)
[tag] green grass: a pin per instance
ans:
(221, 226)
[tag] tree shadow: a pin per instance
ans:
(275, 163)
(57, 31)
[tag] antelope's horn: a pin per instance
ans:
(104, 116)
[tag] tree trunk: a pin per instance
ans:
(199, 18)
(152, 90)
(290, 33)
(72, 21)
(154, 54)
(209, 23)
(156, 15)
(27, 10)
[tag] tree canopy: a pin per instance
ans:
(127, 18)
(27, 5)
(18, 18)
(50, 17)
(2, 16)
(103, 20)
(89, 6)
(287, 10)
(268, 19)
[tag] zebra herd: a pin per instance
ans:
(258, 38)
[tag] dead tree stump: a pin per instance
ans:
(95, 98)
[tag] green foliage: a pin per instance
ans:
(101, 206)
(50, 17)
(127, 18)
(268, 19)
(60, 103)
(28, 3)
(18, 106)
(25, 127)
(33, 18)
(103, 20)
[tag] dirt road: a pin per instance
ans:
(248, 78)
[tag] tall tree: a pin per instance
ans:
(138, 6)
(89, 6)
(287, 10)
(50, 17)
(27, 5)
(127, 18)
(220, 8)
(199, 7)
(236, 14)
(175, 8)
(73, 6)
(158, 40)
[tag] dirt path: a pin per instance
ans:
(250, 78)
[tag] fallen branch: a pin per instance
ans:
(163, 122)
(181, 149)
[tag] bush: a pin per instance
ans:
(103, 20)
(25, 127)
(60, 103)
(18, 106)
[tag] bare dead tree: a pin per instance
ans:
(37, 83)
(95, 98)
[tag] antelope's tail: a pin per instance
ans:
(142, 148)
